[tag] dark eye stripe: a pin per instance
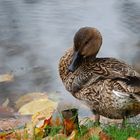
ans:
(87, 40)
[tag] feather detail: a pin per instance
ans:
(121, 94)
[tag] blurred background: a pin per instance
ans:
(34, 34)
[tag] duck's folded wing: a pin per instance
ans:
(111, 67)
(106, 68)
(100, 69)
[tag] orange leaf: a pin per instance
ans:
(131, 138)
(3, 135)
(57, 121)
(69, 126)
(104, 136)
(47, 122)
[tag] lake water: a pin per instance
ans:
(34, 34)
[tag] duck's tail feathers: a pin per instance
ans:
(133, 80)
(137, 96)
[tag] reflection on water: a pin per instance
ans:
(35, 33)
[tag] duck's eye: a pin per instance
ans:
(86, 42)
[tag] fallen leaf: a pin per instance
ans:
(29, 97)
(39, 132)
(40, 109)
(6, 102)
(4, 134)
(6, 78)
(131, 138)
(12, 123)
(69, 126)
(6, 112)
(56, 137)
(19, 134)
(72, 135)
(47, 122)
(104, 136)
(37, 106)
(57, 121)
(95, 131)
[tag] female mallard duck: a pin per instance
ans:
(110, 88)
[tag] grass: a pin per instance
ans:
(94, 138)
(115, 132)
(52, 130)
(123, 133)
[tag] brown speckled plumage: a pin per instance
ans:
(108, 86)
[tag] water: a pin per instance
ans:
(34, 34)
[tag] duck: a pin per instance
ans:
(108, 86)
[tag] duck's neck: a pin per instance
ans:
(89, 58)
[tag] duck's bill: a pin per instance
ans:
(75, 61)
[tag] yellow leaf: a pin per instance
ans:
(39, 132)
(41, 109)
(131, 138)
(37, 106)
(6, 102)
(72, 135)
(30, 97)
(6, 78)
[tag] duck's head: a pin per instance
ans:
(87, 42)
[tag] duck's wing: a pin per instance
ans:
(100, 69)
(111, 67)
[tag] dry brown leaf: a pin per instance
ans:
(5, 134)
(72, 135)
(6, 112)
(59, 137)
(69, 126)
(12, 123)
(6, 78)
(30, 97)
(20, 134)
(104, 136)
(131, 138)
(56, 137)
(57, 121)
(95, 131)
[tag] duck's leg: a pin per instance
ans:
(97, 117)
(124, 121)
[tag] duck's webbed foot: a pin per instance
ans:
(97, 117)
